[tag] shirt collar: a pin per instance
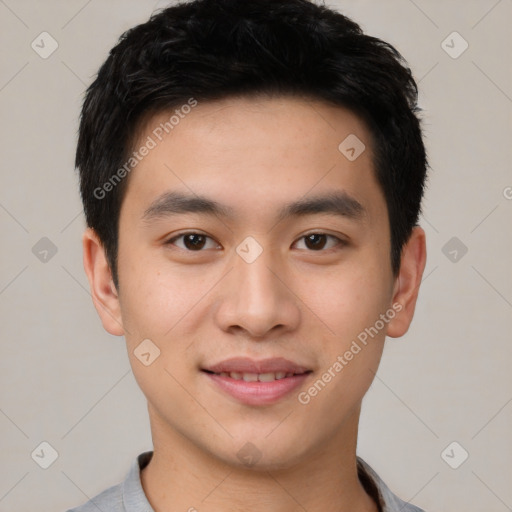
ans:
(385, 499)
(134, 499)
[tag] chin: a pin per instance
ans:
(257, 453)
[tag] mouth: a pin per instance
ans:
(257, 377)
(257, 382)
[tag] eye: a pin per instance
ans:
(317, 241)
(192, 241)
(195, 242)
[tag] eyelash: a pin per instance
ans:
(341, 243)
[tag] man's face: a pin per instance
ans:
(251, 284)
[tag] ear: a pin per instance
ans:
(104, 293)
(407, 284)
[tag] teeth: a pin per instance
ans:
(254, 377)
(266, 377)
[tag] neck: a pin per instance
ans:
(181, 476)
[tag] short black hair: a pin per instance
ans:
(215, 49)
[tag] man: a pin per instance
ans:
(252, 173)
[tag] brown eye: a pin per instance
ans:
(194, 241)
(191, 241)
(315, 241)
(318, 241)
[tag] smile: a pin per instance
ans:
(253, 377)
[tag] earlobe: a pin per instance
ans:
(407, 284)
(104, 294)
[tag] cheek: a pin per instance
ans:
(350, 340)
(154, 297)
(346, 302)
(156, 307)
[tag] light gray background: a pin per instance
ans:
(67, 382)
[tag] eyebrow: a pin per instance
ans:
(176, 203)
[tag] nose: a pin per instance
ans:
(258, 298)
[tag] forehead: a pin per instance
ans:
(254, 154)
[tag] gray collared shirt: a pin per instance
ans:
(128, 496)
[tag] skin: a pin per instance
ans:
(295, 301)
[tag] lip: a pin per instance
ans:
(257, 393)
